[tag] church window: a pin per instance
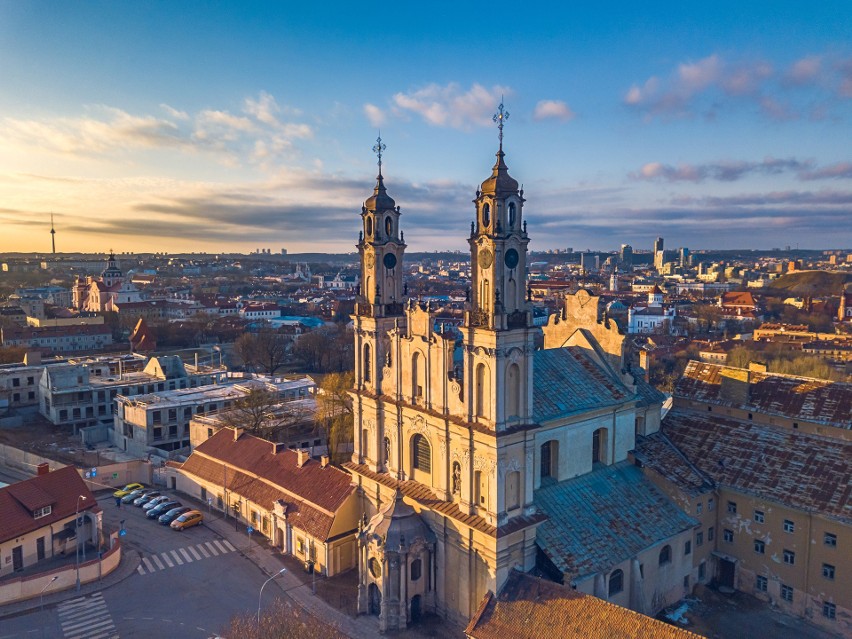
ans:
(375, 567)
(512, 214)
(416, 376)
(486, 215)
(388, 226)
(513, 490)
(480, 488)
(481, 390)
(665, 555)
(365, 443)
(422, 454)
(367, 363)
(456, 486)
(416, 569)
(369, 226)
(616, 582)
(513, 390)
(549, 459)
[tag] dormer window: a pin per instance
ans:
(42, 512)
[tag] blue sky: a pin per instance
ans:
(162, 126)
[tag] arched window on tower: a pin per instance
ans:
(417, 376)
(512, 215)
(513, 391)
(421, 459)
(369, 226)
(365, 443)
(481, 390)
(513, 490)
(486, 215)
(367, 364)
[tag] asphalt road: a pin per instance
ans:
(189, 584)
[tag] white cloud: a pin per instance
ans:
(264, 109)
(174, 113)
(375, 115)
(805, 70)
(450, 106)
(553, 109)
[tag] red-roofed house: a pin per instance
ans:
(37, 518)
(305, 507)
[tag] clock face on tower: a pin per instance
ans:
(511, 258)
(486, 258)
(389, 260)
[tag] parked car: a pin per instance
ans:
(170, 515)
(122, 492)
(156, 501)
(132, 495)
(147, 496)
(187, 520)
(161, 508)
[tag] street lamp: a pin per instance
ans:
(46, 586)
(77, 536)
(260, 596)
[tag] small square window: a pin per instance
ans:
(728, 536)
(759, 547)
(829, 610)
(698, 508)
(828, 571)
(789, 557)
(710, 504)
(711, 533)
(789, 526)
(687, 548)
(758, 516)
(732, 507)
(786, 592)
(830, 539)
(761, 583)
(699, 539)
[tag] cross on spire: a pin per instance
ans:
(378, 149)
(500, 118)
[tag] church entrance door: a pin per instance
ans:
(415, 609)
(375, 599)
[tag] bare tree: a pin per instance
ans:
(265, 351)
(334, 411)
(262, 413)
(281, 619)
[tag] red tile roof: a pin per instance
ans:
(58, 489)
(531, 608)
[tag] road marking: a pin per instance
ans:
(228, 544)
(221, 546)
(185, 555)
(203, 551)
(177, 557)
(194, 553)
(158, 562)
(212, 548)
(86, 618)
(140, 569)
(167, 560)
(148, 564)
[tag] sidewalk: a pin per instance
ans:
(129, 562)
(270, 562)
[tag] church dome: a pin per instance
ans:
(500, 182)
(380, 200)
(398, 523)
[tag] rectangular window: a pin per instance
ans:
(828, 571)
(830, 539)
(687, 548)
(728, 536)
(759, 547)
(732, 507)
(702, 571)
(758, 516)
(711, 533)
(158, 433)
(30, 381)
(699, 539)
(300, 546)
(172, 414)
(710, 505)
(789, 526)
(789, 557)
(829, 610)
(786, 592)
(761, 583)
(698, 508)
(156, 418)
(42, 512)
(16, 382)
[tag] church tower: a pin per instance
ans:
(498, 333)
(112, 275)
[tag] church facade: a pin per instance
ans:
(457, 431)
(105, 293)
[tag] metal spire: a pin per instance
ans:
(52, 235)
(378, 149)
(500, 118)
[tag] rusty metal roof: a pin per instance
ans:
(804, 471)
(805, 398)
(658, 453)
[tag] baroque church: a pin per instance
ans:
(476, 454)
(104, 293)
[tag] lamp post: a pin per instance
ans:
(260, 596)
(46, 586)
(77, 536)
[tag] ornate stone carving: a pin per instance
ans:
(418, 425)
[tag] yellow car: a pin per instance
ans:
(187, 520)
(127, 489)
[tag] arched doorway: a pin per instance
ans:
(415, 609)
(375, 599)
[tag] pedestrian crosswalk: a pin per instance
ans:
(86, 618)
(180, 556)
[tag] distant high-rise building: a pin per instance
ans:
(627, 255)
(684, 257)
(658, 245)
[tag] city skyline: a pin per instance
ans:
(225, 128)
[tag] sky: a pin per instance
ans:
(231, 126)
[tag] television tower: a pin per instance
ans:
(52, 234)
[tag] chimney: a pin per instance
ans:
(42, 469)
(324, 461)
(302, 457)
(734, 388)
(277, 447)
(758, 367)
(32, 358)
(238, 432)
